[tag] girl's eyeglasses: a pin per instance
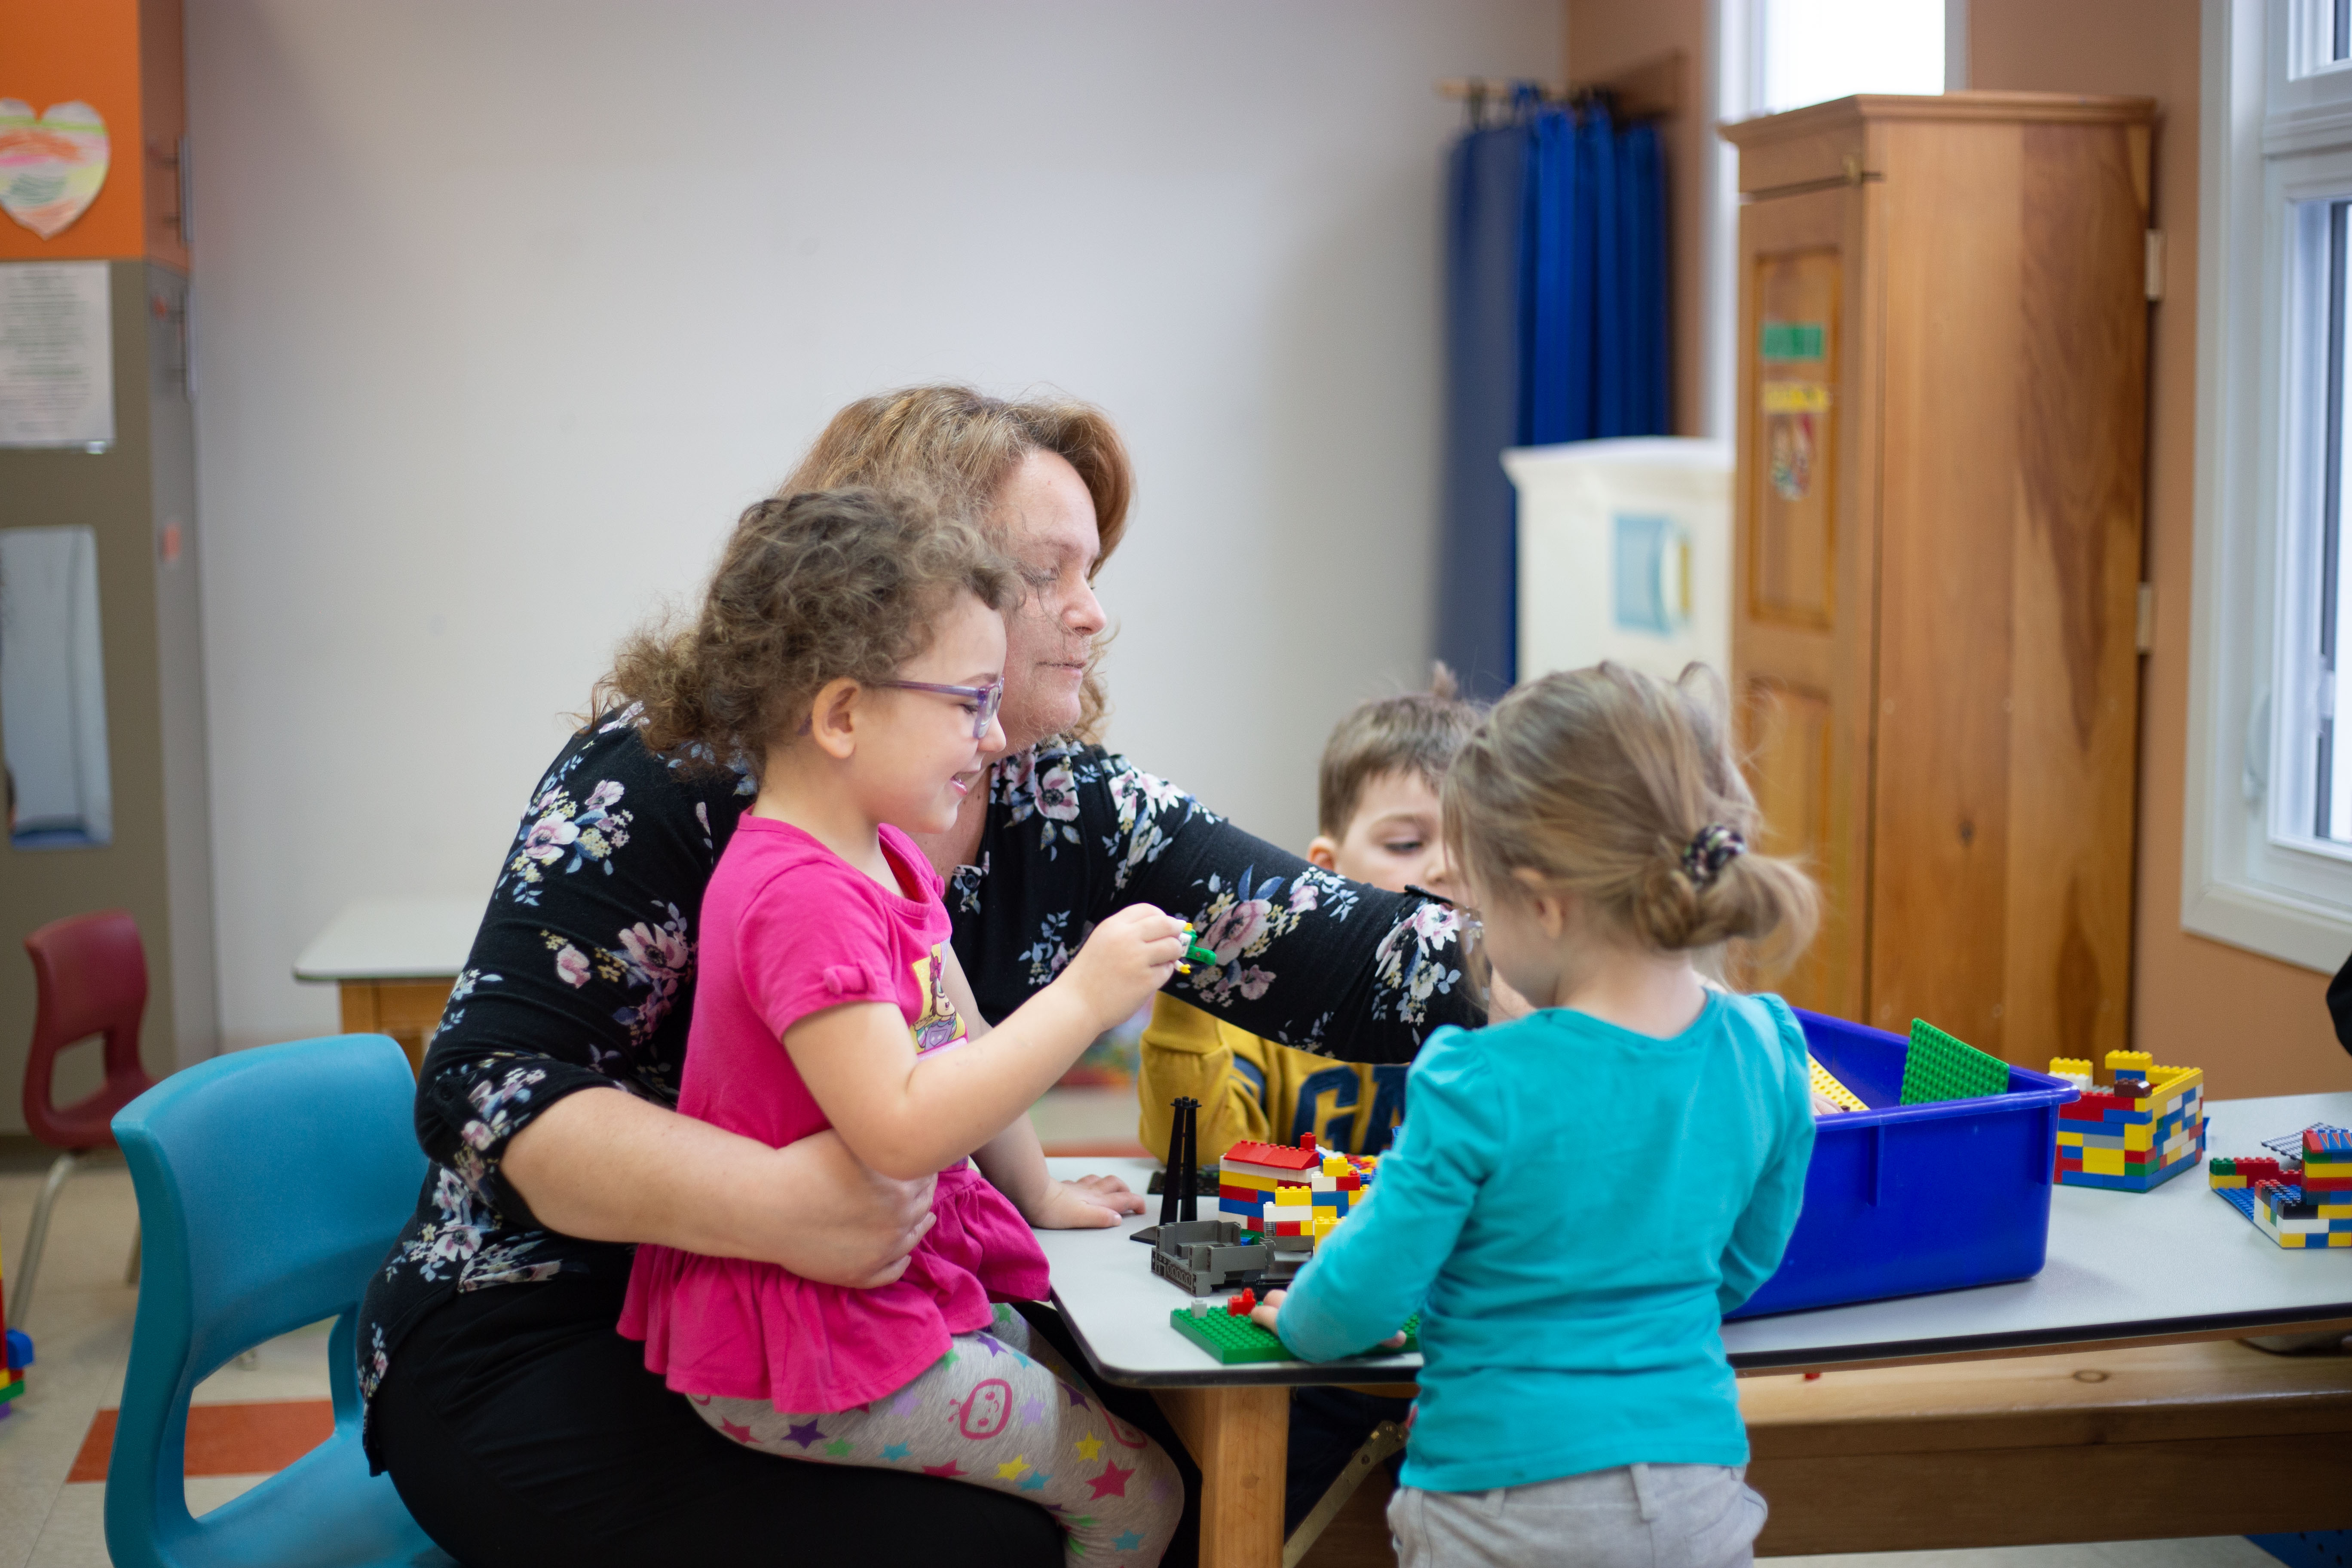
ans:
(989, 698)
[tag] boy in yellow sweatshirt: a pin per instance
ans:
(1377, 821)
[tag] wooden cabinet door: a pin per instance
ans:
(2012, 417)
(1801, 670)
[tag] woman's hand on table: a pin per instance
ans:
(1090, 1203)
(1268, 1311)
(604, 1165)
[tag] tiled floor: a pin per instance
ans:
(81, 1321)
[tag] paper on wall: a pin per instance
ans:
(57, 355)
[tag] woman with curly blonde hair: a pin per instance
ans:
(517, 1425)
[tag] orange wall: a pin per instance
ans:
(93, 50)
(1606, 36)
(2255, 1025)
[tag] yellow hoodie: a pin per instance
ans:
(1254, 1089)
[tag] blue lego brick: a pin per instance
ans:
(20, 1349)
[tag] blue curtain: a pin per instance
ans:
(1556, 318)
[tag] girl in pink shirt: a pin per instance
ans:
(851, 648)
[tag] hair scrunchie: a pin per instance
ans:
(1709, 851)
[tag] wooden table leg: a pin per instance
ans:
(407, 1010)
(1241, 1439)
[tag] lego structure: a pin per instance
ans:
(2136, 1127)
(2301, 1199)
(1273, 1204)
(1938, 1068)
(19, 1355)
(1197, 1256)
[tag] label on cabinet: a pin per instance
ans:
(1791, 567)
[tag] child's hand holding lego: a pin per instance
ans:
(1269, 1309)
(1125, 960)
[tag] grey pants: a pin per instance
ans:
(1636, 1516)
(1001, 1410)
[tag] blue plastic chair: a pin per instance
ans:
(270, 1183)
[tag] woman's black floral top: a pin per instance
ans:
(582, 975)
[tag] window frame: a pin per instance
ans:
(2277, 132)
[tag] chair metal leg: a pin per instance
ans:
(1387, 1439)
(130, 1269)
(37, 1236)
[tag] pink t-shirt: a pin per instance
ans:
(790, 929)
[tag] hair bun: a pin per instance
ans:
(1711, 849)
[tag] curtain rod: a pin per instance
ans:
(1650, 90)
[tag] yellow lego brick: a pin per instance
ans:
(2070, 1140)
(2140, 1059)
(2103, 1161)
(2060, 1066)
(2139, 1135)
(1826, 1085)
(2215, 1180)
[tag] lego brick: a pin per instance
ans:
(1238, 1341)
(1273, 1156)
(2323, 1142)
(1939, 1067)
(1826, 1085)
(1233, 1341)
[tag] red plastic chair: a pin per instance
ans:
(91, 975)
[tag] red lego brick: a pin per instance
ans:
(1247, 1152)
(1241, 1305)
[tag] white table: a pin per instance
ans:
(393, 962)
(2123, 1268)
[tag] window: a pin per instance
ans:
(2267, 843)
(1809, 51)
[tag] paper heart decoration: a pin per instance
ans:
(50, 168)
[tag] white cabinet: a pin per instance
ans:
(1624, 554)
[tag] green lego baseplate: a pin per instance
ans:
(1939, 1067)
(1238, 1341)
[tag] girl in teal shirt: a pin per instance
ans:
(1577, 1196)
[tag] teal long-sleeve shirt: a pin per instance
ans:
(1572, 1208)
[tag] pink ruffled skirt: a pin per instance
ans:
(726, 1326)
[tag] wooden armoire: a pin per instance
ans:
(1942, 386)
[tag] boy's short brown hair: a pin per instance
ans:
(1419, 731)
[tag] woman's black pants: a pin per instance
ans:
(521, 1430)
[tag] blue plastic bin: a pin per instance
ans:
(1912, 1198)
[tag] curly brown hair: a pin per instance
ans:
(813, 588)
(957, 447)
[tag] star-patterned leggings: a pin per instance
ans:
(1000, 1409)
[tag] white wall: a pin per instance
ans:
(505, 309)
